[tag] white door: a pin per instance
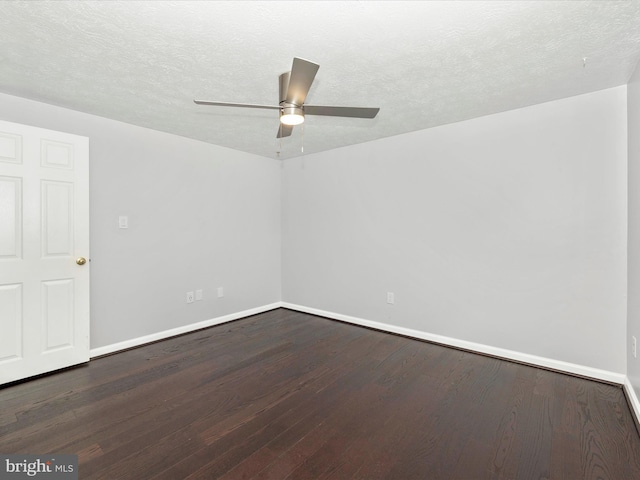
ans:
(44, 234)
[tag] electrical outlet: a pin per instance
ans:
(198, 295)
(220, 292)
(633, 346)
(189, 297)
(391, 298)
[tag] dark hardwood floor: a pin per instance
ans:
(285, 395)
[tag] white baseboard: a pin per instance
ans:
(633, 398)
(154, 337)
(543, 362)
(559, 365)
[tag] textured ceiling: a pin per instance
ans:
(423, 63)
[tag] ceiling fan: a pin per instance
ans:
(294, 86)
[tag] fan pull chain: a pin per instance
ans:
(302, 147)
(279, 141)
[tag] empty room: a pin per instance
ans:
(319, 240)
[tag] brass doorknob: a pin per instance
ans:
(81, 261)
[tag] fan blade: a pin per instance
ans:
(355, 112)
(302, 74)
(284, 131)
(241, 105)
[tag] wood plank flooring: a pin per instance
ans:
(285, 395)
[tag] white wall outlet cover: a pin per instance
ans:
(220, 292)
(198, 295)
(123, 221)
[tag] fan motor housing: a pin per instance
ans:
(293, 110)
(283, 85)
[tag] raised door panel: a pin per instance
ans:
(11, 314)
(57, 314)
(56, 154)
(57, 219)
(10, 218)
(10, 148)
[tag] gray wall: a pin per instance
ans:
(633, 322)
(200, 217)
(507, 230)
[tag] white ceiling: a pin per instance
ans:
(423, 63)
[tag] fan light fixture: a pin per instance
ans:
(292, 116)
